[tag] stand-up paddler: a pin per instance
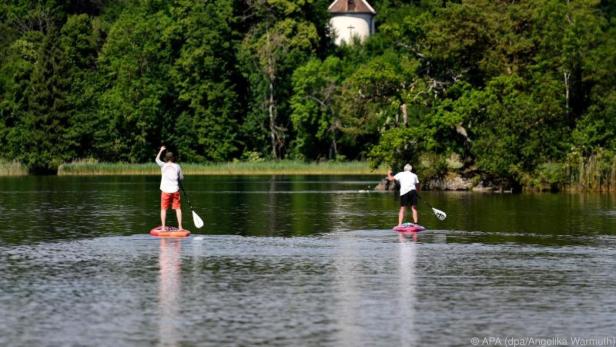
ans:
(409, 184)
(171, 174)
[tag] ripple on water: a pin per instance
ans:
(366, 287)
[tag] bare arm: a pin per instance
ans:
(158, 161)
(390, 176)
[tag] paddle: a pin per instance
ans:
(438, 213)
(196, 219)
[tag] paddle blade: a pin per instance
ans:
(197, 220)
(439, 214)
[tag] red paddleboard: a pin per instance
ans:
(169, 232)
(409, 228)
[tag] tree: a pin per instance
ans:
(36, 111)
(373, 98)
(596, 129)
(202, 77)
(135, 103)
(516, 129)
(270, 52)
(314, 119)
(80, 39)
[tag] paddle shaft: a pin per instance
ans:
(186, 195)
(427, 203)
(196, 219)
(441, 215)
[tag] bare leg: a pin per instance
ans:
(401, 215)
(415, 216)
(178, 213)
(163, 217)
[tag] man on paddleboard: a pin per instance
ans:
(409, 184)
(171, 174)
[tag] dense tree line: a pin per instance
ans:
(493, 88)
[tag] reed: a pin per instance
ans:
(283, 167)
(12, 168)
(596, 172)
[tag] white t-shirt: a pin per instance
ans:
(171, 173)
(407, 180)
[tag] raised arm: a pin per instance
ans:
(158, 161)
(390, 176)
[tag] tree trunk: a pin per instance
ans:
(405, 115)
(272, 121)
(566, 76)
(334, 146)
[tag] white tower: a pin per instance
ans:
(351, 18)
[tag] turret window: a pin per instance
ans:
(351, 5)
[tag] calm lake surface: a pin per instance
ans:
(304, 260)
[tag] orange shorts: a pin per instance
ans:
(167, 199)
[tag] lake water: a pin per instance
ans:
(306, 261)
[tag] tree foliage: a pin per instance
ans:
(506, 86)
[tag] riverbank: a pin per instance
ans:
(12, 168)
(283, 167)
(580, 174)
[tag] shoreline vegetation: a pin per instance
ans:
(282, 167)
(12, 168)
(476, 95)
(596, 173)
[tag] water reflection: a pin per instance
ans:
(63, 208)
(407, 288)
(347, 293)
(352, 288)
(77, 258)
(170, 289)
(374, 289)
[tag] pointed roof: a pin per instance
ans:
(351, 6)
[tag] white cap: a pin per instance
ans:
(408, 167)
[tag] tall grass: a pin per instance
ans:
(594, 173)
(284, 167)
(12, 168)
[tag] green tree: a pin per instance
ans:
(269, 53)
(36, 111)
(373, 98)
(80, 39)
(517, 129)
(136, 100)
(202, 77)
(315, 86)
(596, 129)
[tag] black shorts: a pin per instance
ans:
(409, 198)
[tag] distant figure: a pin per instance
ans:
(170, 187)
(409, 184)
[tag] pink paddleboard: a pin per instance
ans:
(409, 228)
(169, 232)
